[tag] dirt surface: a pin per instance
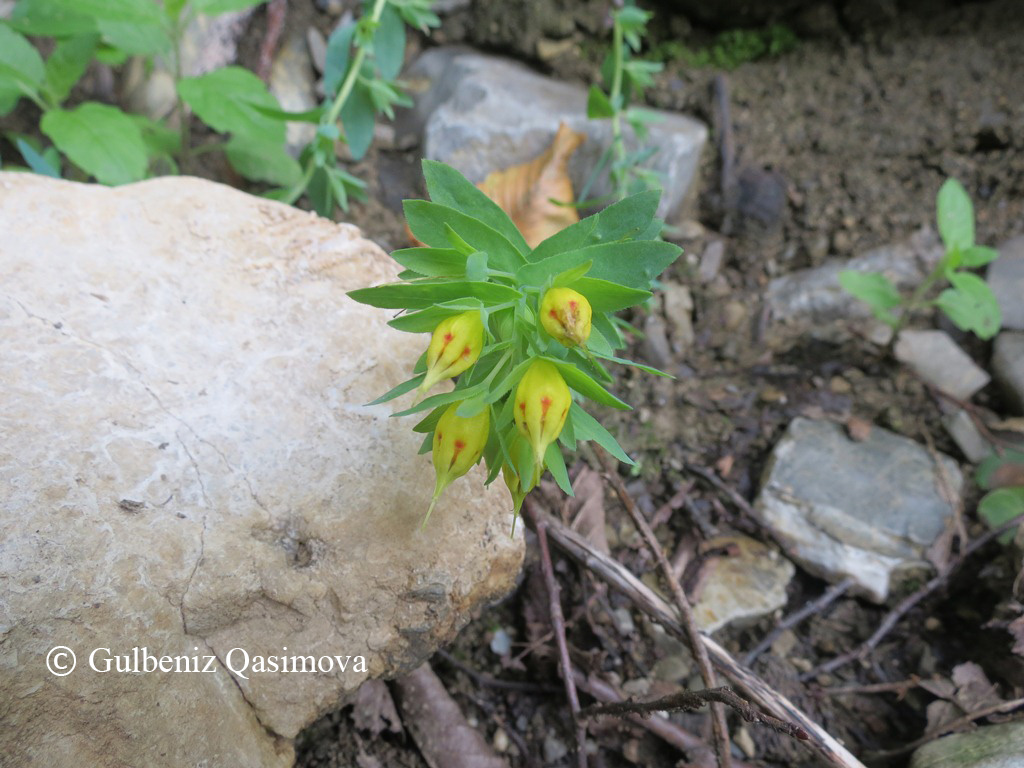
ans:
(840, 145)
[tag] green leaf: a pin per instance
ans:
(101, 140)
(389, 43)
(160, 140)
(141, 12)
(585, 384)
(1001, 506)
(136, 37)
(476, 266)
(401, 389)
(633, 264)
(21, 68)
(358, 117)
(978, 256)
(624, 219)
(587, 427)
(306, 116)
(226, 100)
(212, 7)
(994, 470)
(448, 187)
(339, 44)
(875, 289)
(67, 64)
(35, 160)
(422, 294)
(632, 364)
(598, 105)
(432, 262)
(970, 305)
(605, 296)
(556, 465)
(50, 18)
(955, 216)
(260, 160)
(428, 221)
(459, 393)
(426, 320)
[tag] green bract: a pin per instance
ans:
(474, 259)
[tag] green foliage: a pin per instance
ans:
(363, 60)
(968, 301)
(1000, 506)
(730, 48)
(474, 258)
(625, 77)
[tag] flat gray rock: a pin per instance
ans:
(991, 746)
(867, 510)
(936, 358)
(1006, 279)
(483, 113)
(811, 301)
(1008, 367)
(187, 470)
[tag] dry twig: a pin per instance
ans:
(693, 636)
(540, 525)
(615, 574)
(910, 601)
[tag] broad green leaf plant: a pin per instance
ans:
(967, 301)
(526, 333)
(114, 147)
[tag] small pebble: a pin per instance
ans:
(932, 624)
(839, 385)
(500, 741)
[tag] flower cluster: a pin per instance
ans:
(520, 334)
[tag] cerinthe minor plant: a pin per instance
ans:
(525, 332)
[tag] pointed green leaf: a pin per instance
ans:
(585, 384)
(226, 100)
(67, 64)
(358, 117)
(213, 7)
(978, 256)
(21, 68)
(955, 215)
(421, 294)
(970, 305)
(428, 223)
(101, 140)
(401, 389)
(261, 160)
(589, 428)
(555, 463)
(633, 264)
(1001, 506)
(432, 262)
(598, 105)
(35, 160)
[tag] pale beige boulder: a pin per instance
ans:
(187, 466)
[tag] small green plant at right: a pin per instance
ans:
(730, 48)
(967, 301)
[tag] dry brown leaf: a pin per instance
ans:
(525, 192)
(588, 508)
(437, 725)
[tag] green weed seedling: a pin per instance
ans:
(527, 332)
(967, 301)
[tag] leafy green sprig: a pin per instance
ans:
(625, 76)
(474, 258)
(968, 301)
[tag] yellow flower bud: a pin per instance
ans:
(565, 314)
(455, 346)
(517, 487)
(541, 404)
(458, 445)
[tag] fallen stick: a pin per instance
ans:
(615, 574)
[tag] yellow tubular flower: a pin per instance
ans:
(541, 404)
(566, 314)
(455, 346)
(458, 445)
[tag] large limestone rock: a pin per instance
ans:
(483, 113)
(187, 467)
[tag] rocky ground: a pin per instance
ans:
(794, 456)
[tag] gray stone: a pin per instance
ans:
(743, 587)
(1008, 368)
(812, 302)
(968, 437)
(1006, 279)
(711, 261)
(936, 358)
(678, 305)
(187, 466)
(293, 85)
(868, 510)
(991, 746)
(482, 114)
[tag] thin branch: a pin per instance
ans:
(619, 577)
(540, 525)
(693, 635)
(488, 681)
(899, 687)
(812, 607)
(910, 601)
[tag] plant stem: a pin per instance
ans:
(915, 299)
(339, 102)
(618, 144)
